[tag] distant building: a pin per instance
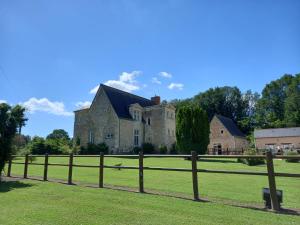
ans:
(225, 136)
(123, 121)
(279, 139)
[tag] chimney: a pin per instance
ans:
(156, 100)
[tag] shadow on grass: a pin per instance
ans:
(217, 160)
(6, 186)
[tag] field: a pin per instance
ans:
(231, 198)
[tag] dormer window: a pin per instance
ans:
(136, 115)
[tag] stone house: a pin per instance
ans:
(225, 136)
(123, 120)
(278, 140)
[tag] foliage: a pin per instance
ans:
(148, 148)
(292, 153)
(94, 149)
(251, 161)
(163, 149)
(192, 130)
(59, 134)
(10, 118)
(173, 149)
(136, 150)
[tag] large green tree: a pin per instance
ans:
(10, 118)
(292, 103)
(192, 129)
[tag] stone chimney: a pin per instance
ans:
(156, 100)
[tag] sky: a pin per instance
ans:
(53, 54)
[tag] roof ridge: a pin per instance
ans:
(125, 92)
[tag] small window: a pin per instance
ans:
(91, 137)
(109, 136)
(222, 131)
(149, 121)
(136, 138)
(169, 132)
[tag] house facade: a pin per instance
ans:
(278, 140)
(225, 136)
(123, 121)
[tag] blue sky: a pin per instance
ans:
(54, 53)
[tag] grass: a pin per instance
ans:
(223, 187)
(35, 202)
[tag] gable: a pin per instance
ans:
(230, 126)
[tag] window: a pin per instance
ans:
(136, 115)
(109, 136)
(149, 121)
(222, 131)
(136, 138)
(91, 137)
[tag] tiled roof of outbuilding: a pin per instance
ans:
(230, 126)
(277, 132)
(121, 101)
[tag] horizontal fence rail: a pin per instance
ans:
(194, 170)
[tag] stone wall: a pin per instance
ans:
(261, 143)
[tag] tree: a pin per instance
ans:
(20, 119)
(192, 130)
(59, 134)
(271, 107)
(10, 118)
(292, 103)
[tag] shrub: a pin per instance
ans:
(251, 161)
(94, 149)
(163, 149)
(173, 150)
(291, 153)
(148, 148)
(136, 150)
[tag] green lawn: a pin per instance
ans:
(37, 202)
(220, 187)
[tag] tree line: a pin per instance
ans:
(277, 106)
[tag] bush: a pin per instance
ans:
(148, 148)
(163, 149)
(251, 161)
(94, 149)
(136, 150)
(173, 149)
(291, 153)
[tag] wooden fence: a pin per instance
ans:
(194, 170)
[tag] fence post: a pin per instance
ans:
(141, 171)
(101, 167)
(70, 168)
(195, 175)
(46, 167)
(9, 166)
(26, 166)
(272, 183)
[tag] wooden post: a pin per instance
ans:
(26, 166)
(101, 167)
(272, 183)
(195, 175)
(46, 167)
(9, 167)
(70, 168)
(141, 171)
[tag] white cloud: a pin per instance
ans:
(44, 105)
(155, 80)
(165, 74)
(3, 101)
(174, 86)
(83, 105)
(94, 90)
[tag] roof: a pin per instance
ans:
(230, 126)
(121, 101)
(278, 132)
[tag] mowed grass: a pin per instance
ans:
(37, 202)
(242, 189)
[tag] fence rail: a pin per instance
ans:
(194, 170)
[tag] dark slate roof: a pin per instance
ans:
(230, 126)
(278, 132)
(121, 101)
